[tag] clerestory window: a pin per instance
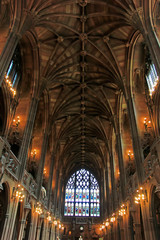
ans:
(82, 195)
(13, 74)
(152, 78)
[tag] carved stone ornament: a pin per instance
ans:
(82, 3)
(3, 161)
(83, 36)
(157, 173)
(157, 191)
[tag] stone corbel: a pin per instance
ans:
(157, 191)
(27, 208)
(1, 146)
(156, 173)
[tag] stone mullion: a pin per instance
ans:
(121, 166)
(114, 200)
(27, 136)
(41, 164)
(138, 156)
(49, 187)
(7, 53)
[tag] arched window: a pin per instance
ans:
(150, 73)
(82, 195)
(152, 78)
(13, 73)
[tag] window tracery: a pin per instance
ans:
(82, 195)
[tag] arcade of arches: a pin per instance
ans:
(79, 119)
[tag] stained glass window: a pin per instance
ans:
(82, 196)
(13, 73)
(152, 78)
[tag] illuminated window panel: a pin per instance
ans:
(13, 73)
(152, 78)
(82, 196)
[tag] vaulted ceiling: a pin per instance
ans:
(83, 56)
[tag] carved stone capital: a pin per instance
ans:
(157, 191)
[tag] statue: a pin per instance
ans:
(3, 162)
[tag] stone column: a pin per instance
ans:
(137, 148)
(39, 226)
(5, 228)
(7, 53)
(41, 164)
(12, 218)
(121, 166)
(146, 224)
(61, 180)
(120, 228)
(27, 208)
(49, 231)
(33, 228)
(136, 222)
(27, 136)
(126, 226)
(49, 188)
(45, 230)
(114, 198)
(38, 232)
(107, 192)
(21, 229)
(102, 196)
(152, 228)
(53, 233)
(56, 191)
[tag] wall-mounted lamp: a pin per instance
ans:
(18, 193)
(38, 208)
(16, 122)
(9, 84)
(107, 223)
(113, 218)
(146, 124)
(33, 153)
(122, 211)
(141, 195)
(49, 218)
(55, 223)
(130, 155)
(44, 171)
